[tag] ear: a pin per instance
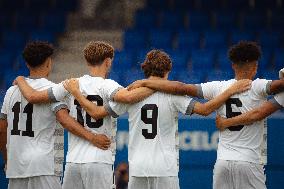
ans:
(108, 62)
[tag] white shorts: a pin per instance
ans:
(153, 183)
(39, 182)
(88, 176)
(238, 174)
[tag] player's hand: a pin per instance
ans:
(220, 123)
(136, 84)
(240, 86)
(101, 141)
(281, 73)
(15, 82)
(71, 85)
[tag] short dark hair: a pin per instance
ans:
(244, 52)
(157, 63)
(97, 51)
(35, 53)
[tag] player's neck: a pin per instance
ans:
(38, 73)
(240, 76)
(97, 71)
(155, 78)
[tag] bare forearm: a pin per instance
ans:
(252, 116)
(133, 96)
(277, 86)
(96, 112)
(72, 125)
(210, 106)
(3, 139)
(32, 96)
(172, 87)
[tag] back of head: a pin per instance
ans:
(244, 53)
(157, 63)
(97, 51)
(35, 53)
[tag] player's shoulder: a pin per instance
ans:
(40, 83)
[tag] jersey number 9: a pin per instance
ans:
(150, 120)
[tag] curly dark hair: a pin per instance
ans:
(244, 52)
(157, 63)
(97, 51)
(36, 52)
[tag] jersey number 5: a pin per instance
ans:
(29, 123)
(230, 113)
(150, 120)
(89, 122)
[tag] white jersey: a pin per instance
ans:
(278, 100)
(241, 143)
(32, 145)
(97, 90)
(153, 133)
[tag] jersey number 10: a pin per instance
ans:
(29, 123)
(89, 122)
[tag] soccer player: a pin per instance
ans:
(241, 150)
(87, 166)
(153, 140)
(32, 145)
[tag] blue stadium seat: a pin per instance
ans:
(226, 20)
(42, 5)
(277, 21)
(6, 60)
(145, 18)
(179, 59)
(265, 60)
(6, 21)
(158, 4)
(13, 40)
(190, 77)
(43, 36)
(131, 76)
(254, 21)
(183, 5)
(199, 20)
(66, 5)
(219, 76)
(115, 75)
(188, 40)
(27, 22)
(172, 20)
(271, 75)
(278, 59)
(202, 59)
(135, 40)
(223, 61)
(141, 55)
(122, 60)
(161, 39)
(268, 39)
(215, 39)
(237, 5)
(238, 36)
(54, 22)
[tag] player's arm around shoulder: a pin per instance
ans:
(96, 112)
(132, 96)
(33, 96)
(248, 118)
(69, 123)
(210, 106)
(166, 86)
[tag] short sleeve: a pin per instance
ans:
(55, 107)
(57, 93)
(183, 104)
(209, 89)
(261, 87)
(278, 100)
(116, 109)
(5, 106)
(111, 88)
